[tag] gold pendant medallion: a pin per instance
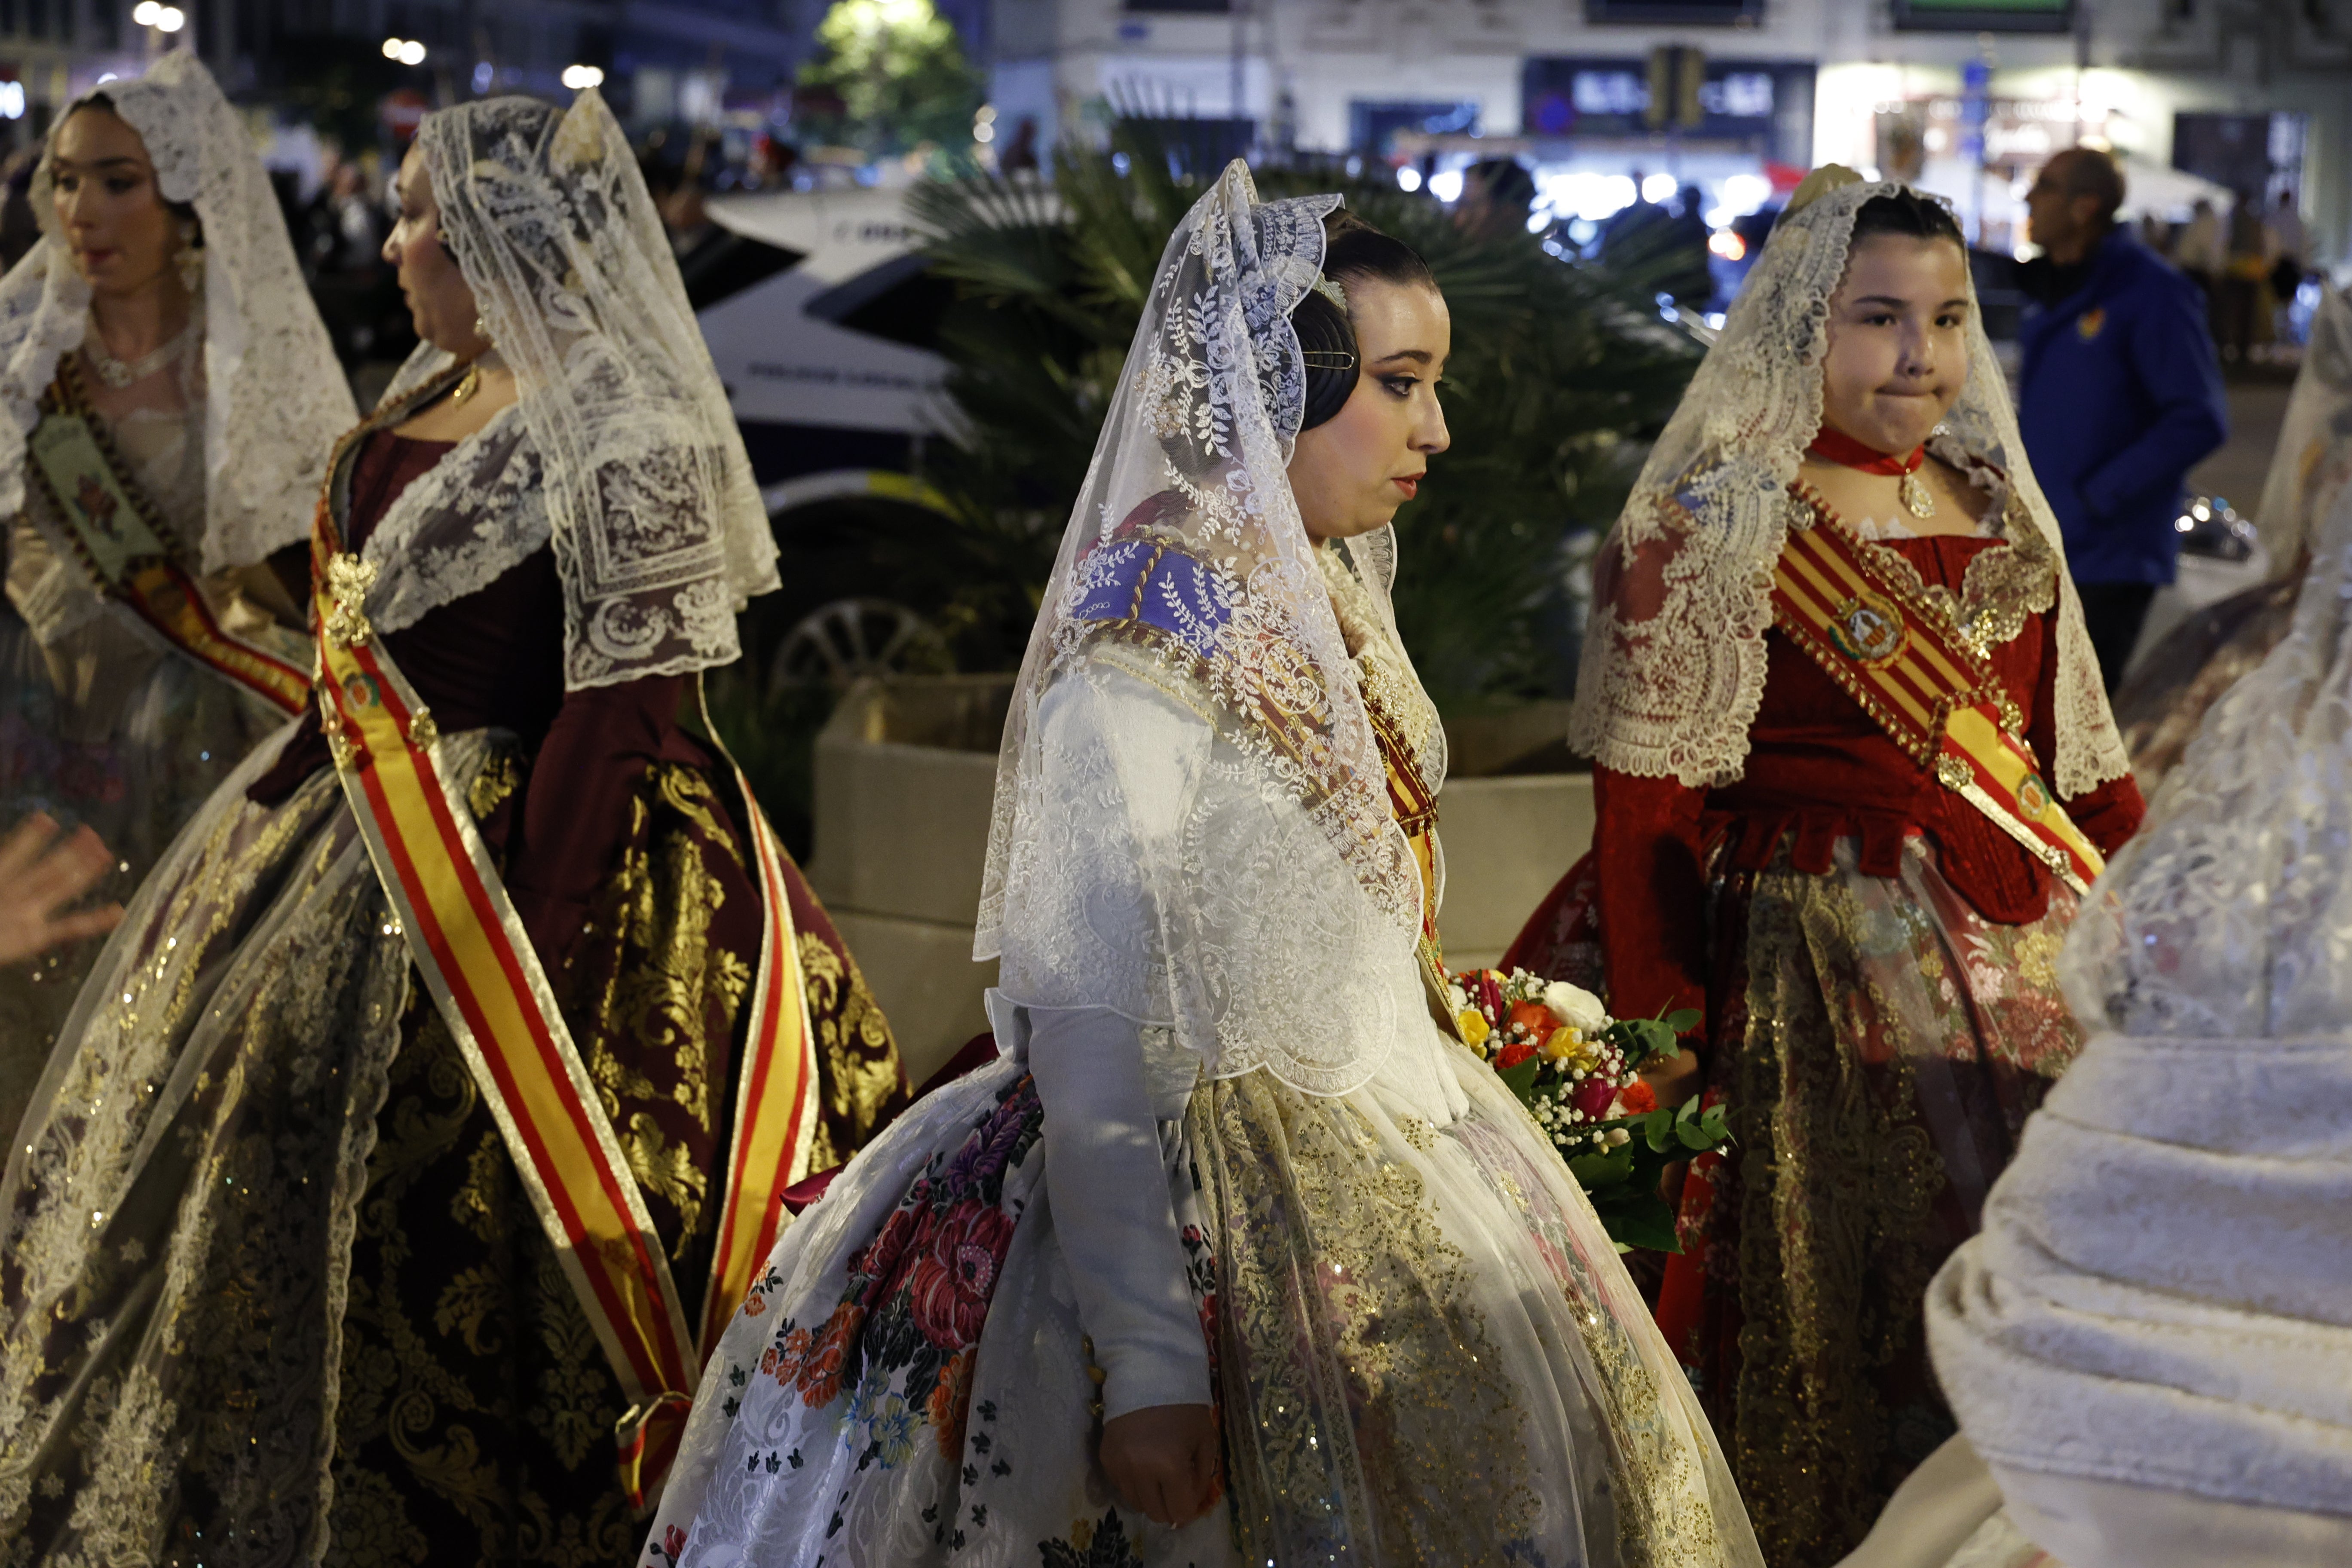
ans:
(1916, 499)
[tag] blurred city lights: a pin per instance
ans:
(12, 100)
(143, 14)
(1408, 178)
(581, 77)
(170, 19)
(1727, 245)
(1658, 187)
(407, 52)
(1583, 194)
(1448, 186)
(983, 123)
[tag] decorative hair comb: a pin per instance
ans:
(1329, 289)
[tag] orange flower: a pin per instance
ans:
(1534, 1017)
(1638, 1098)
(820, 1375)
(951, 1402)
(754, 1304)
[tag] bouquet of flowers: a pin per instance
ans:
(1577, 1070)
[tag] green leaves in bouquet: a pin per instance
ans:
(1643, 1038)
(1521, 1079)
(1622, 1183)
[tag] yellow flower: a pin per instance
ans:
(1561, 1042)
(1472, 1025)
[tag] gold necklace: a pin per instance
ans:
(470, 384)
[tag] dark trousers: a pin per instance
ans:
(2113, 612)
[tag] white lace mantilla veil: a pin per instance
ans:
(1235, 934)
(1674, 663)
(2161, 1296)
(627, 456)
(275, 398)
(2314, 456)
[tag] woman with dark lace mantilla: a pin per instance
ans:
(434, 1103)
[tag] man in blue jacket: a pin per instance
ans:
(2119, 394)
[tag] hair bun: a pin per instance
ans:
(1820, 182)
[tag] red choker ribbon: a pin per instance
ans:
(1837, 447)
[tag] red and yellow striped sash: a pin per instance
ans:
(1899, 656)
(124, 544)
(475, 959)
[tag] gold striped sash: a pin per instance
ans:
(124, 544)
(475, 959)
(1899, 655)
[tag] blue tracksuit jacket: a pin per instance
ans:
(2120, 395)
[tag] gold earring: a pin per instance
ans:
(190, 260)
(481, 329)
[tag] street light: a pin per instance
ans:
(581, 77)
(407, 52)
(162, 19)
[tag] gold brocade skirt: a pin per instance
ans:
(1879, 1044)
(1423, 1351)
(273, 1290)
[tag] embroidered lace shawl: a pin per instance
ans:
(1223, 893)
(1674, 663)
(621, 448)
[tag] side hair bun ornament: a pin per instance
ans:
(1820, 182)
(1329, 289)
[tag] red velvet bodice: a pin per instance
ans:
(1819, 769)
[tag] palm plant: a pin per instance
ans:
(1560, 373)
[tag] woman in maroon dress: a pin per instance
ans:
(280, 1273)
(1835, 655)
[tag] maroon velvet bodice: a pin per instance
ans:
(494, 658)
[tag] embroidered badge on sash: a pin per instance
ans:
(1868, 628)
(2087, 324)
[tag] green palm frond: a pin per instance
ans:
(1561, 373)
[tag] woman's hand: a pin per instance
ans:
(1162, 1461)
(1676, 1081)
(38, 878)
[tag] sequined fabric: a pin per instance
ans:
(1880, 1045)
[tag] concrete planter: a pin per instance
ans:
(906, 772)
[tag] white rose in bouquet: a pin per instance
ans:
(1578, 1008)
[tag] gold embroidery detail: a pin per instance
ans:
(1385, 1357)
(349, 578)
(857, 1060)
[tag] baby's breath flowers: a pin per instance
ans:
(1577, 1070)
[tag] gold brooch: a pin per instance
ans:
(349, 578)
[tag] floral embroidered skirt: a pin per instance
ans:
(1879, 1044)
(272, 1290)
(1425, 1351)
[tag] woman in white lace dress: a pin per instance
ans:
(1232, 1257)
(164, 384)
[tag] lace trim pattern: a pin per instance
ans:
(656, 524)
(465, 523)
(1673, 667)
(275, 398)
